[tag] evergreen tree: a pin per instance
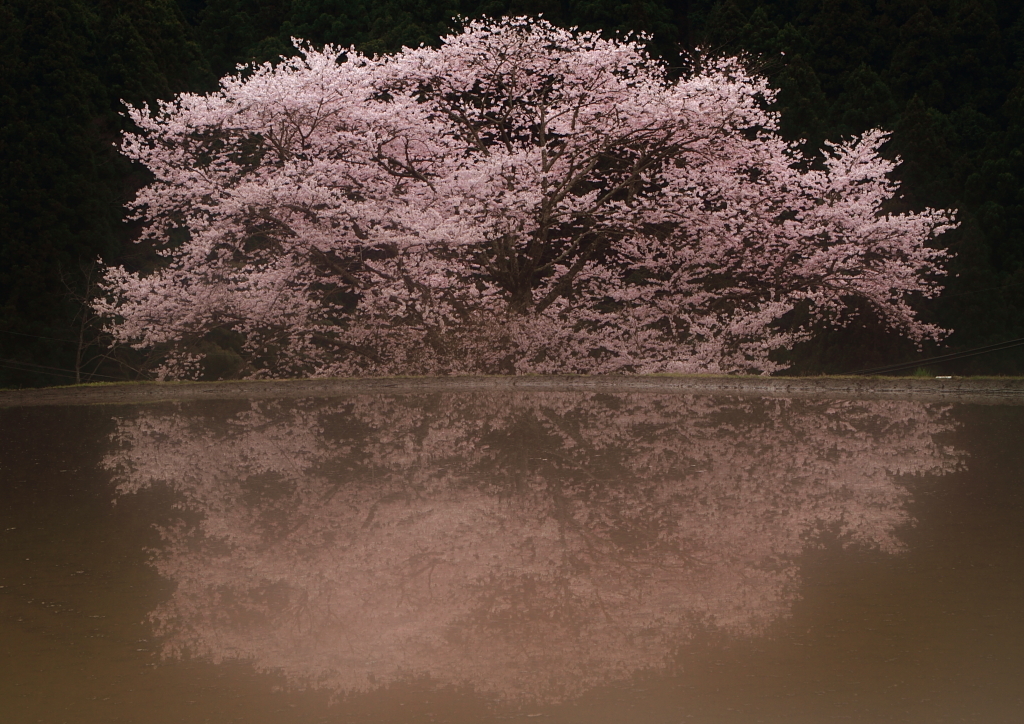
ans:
(66, 65)
(944, 75)
(941, 74)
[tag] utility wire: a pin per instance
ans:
(976, 352)
(39, 336)
(58, 371)
(979, 291)
(24, 369)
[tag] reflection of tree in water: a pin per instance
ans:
(531, 545)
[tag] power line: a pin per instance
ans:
(39, 336)
(24, 369)
(953, 356)
(57, 371)
(979, 291)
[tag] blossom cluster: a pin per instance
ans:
(523, 198)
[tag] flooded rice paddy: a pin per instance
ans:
(562, 557)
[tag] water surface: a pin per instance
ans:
(551, 556)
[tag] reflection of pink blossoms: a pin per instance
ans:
(523, 198)
(554, 543)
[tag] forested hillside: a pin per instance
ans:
(945, 76)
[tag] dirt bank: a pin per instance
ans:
(1005, 391)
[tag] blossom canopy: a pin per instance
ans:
(523, 198)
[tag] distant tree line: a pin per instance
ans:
(945, 76)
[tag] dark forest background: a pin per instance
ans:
(945, 76)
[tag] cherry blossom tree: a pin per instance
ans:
(522, 199)
(530, 546)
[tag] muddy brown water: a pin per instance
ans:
(545, 556)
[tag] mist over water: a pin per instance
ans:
(476, 556)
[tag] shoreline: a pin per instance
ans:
(988, 391)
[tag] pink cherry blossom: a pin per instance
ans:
(522, 199)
